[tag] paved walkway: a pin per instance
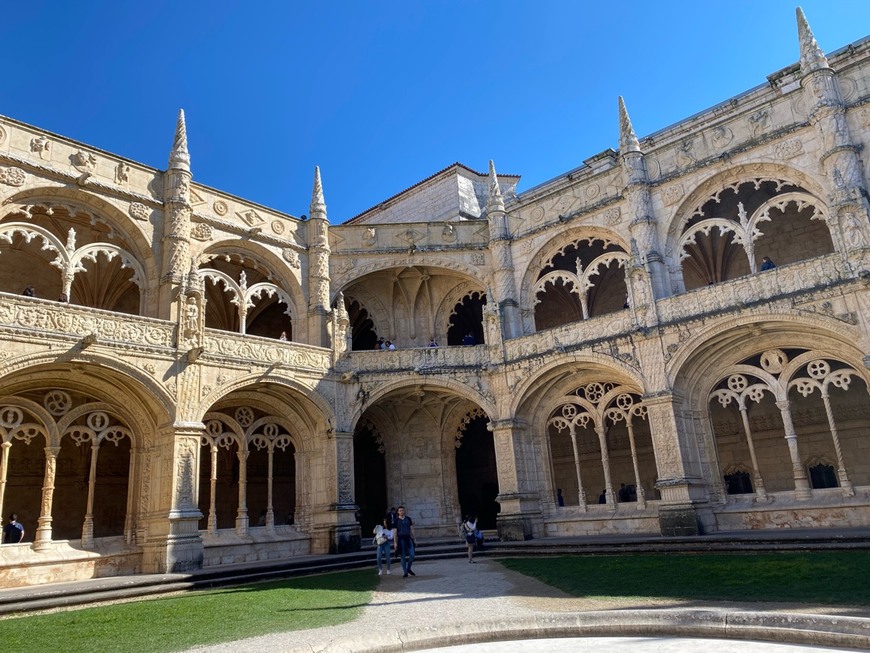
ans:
(451, 602)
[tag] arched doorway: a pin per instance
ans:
(370, 474)
(476, 472)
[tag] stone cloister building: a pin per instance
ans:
(611, 333)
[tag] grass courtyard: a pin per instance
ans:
(208, 617)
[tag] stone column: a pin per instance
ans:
(520, 515)
(760, 490)
(601, 432)
(337, 530)
(42, 540)
(802, 488)
(88, 527)
(679, 481)
(242, 521)
(4, 472)
(173, 543)
(845, 483)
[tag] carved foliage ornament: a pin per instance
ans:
(12, 176)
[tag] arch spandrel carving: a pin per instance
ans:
(431, 384)
(719, 181)
(692, 364)
(314, 405)
(139, 234)
(567, 371)
(420, 259)
(548, 248)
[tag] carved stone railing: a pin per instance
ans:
(40, 317)
(423, 359)
(268, 351)
(783, 281)
(569, 335)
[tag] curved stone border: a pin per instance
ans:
(778, 627)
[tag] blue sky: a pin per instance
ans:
(383, 94)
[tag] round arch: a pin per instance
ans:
(78, 200)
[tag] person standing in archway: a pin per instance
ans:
(404, 541)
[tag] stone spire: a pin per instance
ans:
(318, 205)
(627, 139)
(495, 201)
(179, 157)
(812, 57)
(318, 266)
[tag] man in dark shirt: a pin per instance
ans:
(13, 532)
(404, 541)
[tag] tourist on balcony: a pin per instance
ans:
(380, 344)
(469, 339)
(432, 342)
(13, 532)
(767, 264)
(63, 299)
(30, 291)
(283, 336)
(391, 346)
(560, 500)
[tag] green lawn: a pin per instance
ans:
(210, 617)
(835, 578)
(206, 617)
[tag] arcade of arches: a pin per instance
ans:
(673, 339)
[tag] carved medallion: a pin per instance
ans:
(139, 211)
(611, 216)
(220, 207)
(202, 231)
(292, 257)
(12, 176)
(788, 149)
(673, 194)
(278, 227)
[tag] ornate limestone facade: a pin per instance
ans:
(611, 333)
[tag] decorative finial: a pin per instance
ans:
(627, 139)
(179, 157)
(812, 57)
(495, 202)
(318, 204)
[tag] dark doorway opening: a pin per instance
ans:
(476, 473)
(370, 474)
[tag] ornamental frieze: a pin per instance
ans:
(66, 320)
(277, 353)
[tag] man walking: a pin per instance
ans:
(13, 532)
(404, 541)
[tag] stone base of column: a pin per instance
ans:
(345, 538)
(677, 521)
(518, 527)
(177, 549)
(520, 517)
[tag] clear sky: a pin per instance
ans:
(382, 94)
